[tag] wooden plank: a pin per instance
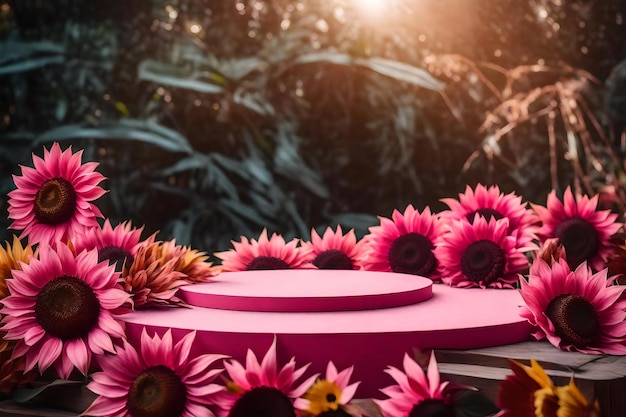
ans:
(598, 376)
(549, 356)
(593, 367)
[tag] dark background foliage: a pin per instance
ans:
(214, 119)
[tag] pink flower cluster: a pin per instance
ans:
(485, 239)
(160, 378)
(64, 298)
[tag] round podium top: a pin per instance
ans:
(308, 290)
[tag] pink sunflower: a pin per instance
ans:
(405, 243)
(492, 203)
(329, 394)
(334, 250)
(481, 254)
(258, 389)
(60, 309)
(161, 380)
(272, 253)
(52, 201)
(583, 230)
(575, 310)
(117, 245)
(417, 393)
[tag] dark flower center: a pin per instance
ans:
(267, 262)
(157, 392)
(331, 398)
(55, 202)
(67, 308)
(263, 402)
(333, 259)
(431, 408)
(579, 238)
(487, 213)
(334, 413)
(117, 256)
(412, 253)
(483, 261)
(575, 319)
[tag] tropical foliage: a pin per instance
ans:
(213, 121)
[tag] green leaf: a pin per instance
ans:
(192, 162)
(360, 222)
(254, 101)
(402, 72)
(165, 74)
(30, 64)
(234, 69)
(288, 162)
(215, 178)
(239, 209)
(125, 129)
(394, 69)
(468, 403)
(22, 395)
(13, 51)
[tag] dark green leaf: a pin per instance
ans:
(195, 161)
(168, 75)
(126, 129)
(30, 64)
(402, 72)
(22, 395)
(390, 68)
(360, 222)
(242, 210)
(468, 403)
(15, 50)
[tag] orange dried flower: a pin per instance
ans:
(10, 259)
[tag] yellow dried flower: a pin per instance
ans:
(10, 259)
(572, 403)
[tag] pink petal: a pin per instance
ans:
(183, 347)
(302, 388)
(331, 372)
(344, 377)
(348, 392)
(103, 406)
(112, 298)
(204, 390)
(100, 341)
(49, 352)
(77, 353)
(433, 373)
(110, 325)
(34, 335)
(196, 410)
(268, 366)
(64, 366)
(237, 373)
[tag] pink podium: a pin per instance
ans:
(361, 318)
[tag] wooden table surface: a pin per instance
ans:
(599, 376)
